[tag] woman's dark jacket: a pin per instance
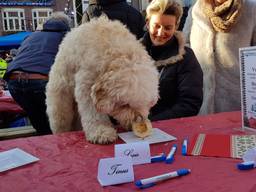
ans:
(181, 79)
(37, 52)
(117, 10)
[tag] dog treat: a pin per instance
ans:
(142, 129)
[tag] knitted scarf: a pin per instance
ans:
(223, 16)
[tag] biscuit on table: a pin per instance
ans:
(142, 129)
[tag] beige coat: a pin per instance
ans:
(218, 55)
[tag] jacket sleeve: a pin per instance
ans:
(252, 6)
(189, 90)
(254, 37)
(254, 32)
(187, 26)
(141, 28)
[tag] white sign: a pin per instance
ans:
(85, 4)
(113, 171)
(157, 136)
(248, 86)
(15, 158)
(139, 152)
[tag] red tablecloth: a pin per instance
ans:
(7, 104)
(69, 163)
(9, 110)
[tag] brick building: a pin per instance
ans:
(27, 15)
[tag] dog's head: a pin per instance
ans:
(126, 89)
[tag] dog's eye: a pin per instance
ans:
(125, 106)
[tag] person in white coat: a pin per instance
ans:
(215, 30)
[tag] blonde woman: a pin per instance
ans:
(216, 30)
(181, 78)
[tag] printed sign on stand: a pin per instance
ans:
(247, 58)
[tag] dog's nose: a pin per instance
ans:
(138, 118)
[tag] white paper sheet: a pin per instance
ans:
(157, 136)
(15, 158)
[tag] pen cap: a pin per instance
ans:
(140, 185)
(246, 165)
(182, 172)
(158, 158)
(184, 147)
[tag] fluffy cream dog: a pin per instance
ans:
(101, 70)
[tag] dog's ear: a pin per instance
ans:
(100, 97)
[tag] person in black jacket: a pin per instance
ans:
(116, 10)
(181, 77)
(27, 74)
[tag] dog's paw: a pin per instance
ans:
(102, 134)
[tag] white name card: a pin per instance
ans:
(113, 171)
(138, 151)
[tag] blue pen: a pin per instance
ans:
(149, 182)
(170, 156)
(184, 147)
(246, 165)
(158, 158)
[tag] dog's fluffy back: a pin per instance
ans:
(98, 39)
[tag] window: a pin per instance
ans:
(13, 20)
(39, 16)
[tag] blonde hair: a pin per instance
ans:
(165, 7)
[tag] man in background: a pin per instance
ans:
(27, 74)
(116, 10)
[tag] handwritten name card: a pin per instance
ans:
(138, 151)
(113, 171)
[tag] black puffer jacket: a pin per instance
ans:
(119, 10)
(181, 79)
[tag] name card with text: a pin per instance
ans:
(113, 171)
(138, 151)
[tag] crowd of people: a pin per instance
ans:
(198, 68)
(6, 57)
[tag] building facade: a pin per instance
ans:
(27, 15)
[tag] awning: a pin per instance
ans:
(12, 41)
(26, 3)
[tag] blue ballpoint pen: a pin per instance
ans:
(149, 182)
(170, 156)
(184, 147)
(158, 158)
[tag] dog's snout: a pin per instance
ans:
(138, 118)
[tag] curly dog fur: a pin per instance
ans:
(101, 70)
